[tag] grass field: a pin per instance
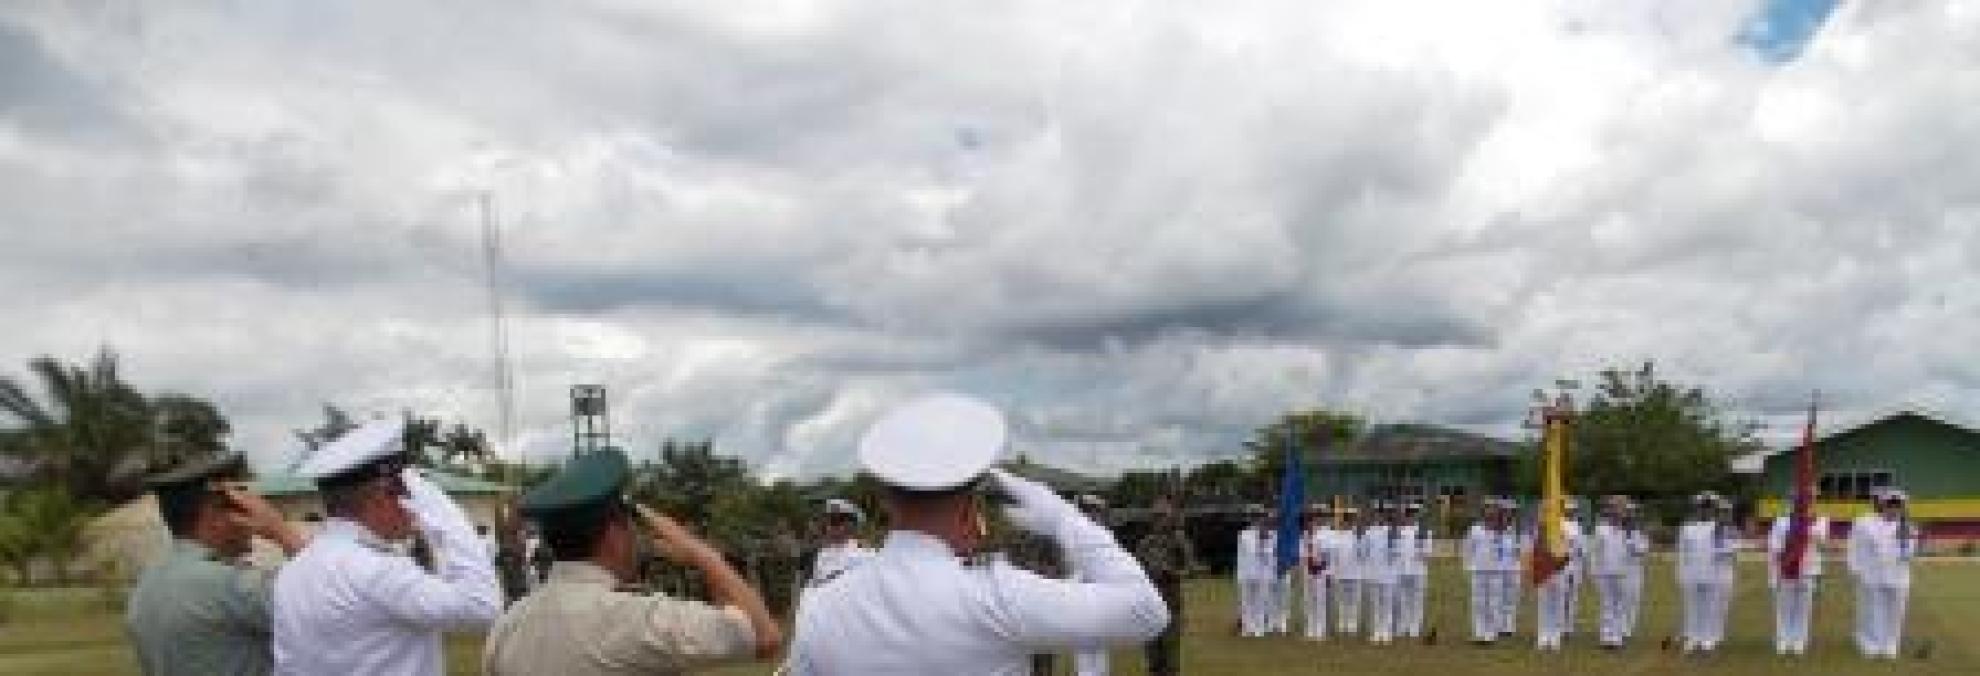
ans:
(70, 633)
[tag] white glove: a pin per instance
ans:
(431, 507)
(1038, 509)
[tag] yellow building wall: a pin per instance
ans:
(1943, 508)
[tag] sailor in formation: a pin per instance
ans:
(1412, 570)
(354, 601)
(929, 602)
(1380, 556)
(1615, 559)
(1254, 563)
(1882, 545)
(1577, 564)
(1491, 557)
(1349, 571)
(1707, 553)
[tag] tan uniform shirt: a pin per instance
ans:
(578, 623)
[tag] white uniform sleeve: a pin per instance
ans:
(1115, 602)
(465, 594)
(1859, 547)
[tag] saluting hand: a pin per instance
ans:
(261, 518)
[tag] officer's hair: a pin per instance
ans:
(180, 507)
(577, 538)
(343, 499)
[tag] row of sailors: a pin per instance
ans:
(1379, 570)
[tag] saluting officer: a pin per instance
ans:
(581, 623)
(1254, 571)
(1881, 547)
(925, 605)
(354, 601)
(202, 610)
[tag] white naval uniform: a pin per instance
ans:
(1706, 558)
(1615, 559)
(1554, 600)
(1412, 579)
(1255, 580)
(1577, 574)
(1794, 600)
(350, 603)
(1880, 557)
(1378, 579)
(916, 608)
(1316, 571)
(1491, 557)
(1349, 570)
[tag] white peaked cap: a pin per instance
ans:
(358, 447)
(933, 443)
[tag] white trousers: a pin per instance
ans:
(1316, 604)
(1254, 606)
(1512, 584)
(1880, 618)
(1410, 593)
(1282, 603)
(1090, 663)
(1794, 609)
(1571, 606)
(1620, 597)
(1494, 601)
(1550, 608)
(1381, 609)
(1347, 604)
(1705, 607)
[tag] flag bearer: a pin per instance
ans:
(1553, 602)
(1794, 596)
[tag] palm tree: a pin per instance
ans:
(94, 435)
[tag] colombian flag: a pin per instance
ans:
(1801, 519)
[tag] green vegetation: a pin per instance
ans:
(67, 632)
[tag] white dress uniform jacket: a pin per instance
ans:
(350, 603)
(916, 609)
(1811, 561)
(1256, 554)
(835, 560)
(1706, 552)
(1877, 555)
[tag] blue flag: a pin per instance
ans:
(1292, 502)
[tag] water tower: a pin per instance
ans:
(591, 428)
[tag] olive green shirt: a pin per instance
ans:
(193, 613)
(580, 624)
(1166, 553)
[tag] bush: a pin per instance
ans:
(9, 606)
(112, 599)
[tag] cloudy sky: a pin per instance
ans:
(1144, 227)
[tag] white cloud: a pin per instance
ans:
(1145, 227)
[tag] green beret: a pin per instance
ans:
(583, 485)
(198, 471)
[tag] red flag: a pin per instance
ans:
(1802, 516)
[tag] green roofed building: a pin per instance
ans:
(1413, 461)
(1935, 461)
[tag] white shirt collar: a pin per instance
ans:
(915, 544)
(346, 529)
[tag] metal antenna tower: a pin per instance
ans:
(491, 249)
(591, 427)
